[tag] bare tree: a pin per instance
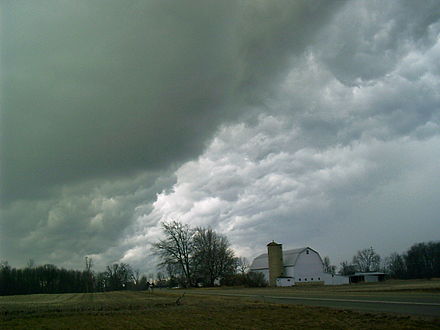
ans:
(395, 265)
(160, 279)
(346, 268)
(366, 260)
(328, 268)
(423, 260)
(30, 263)
(176, 248)
(213, 257)
(88, 274)
(242, 265)
(88, 264)
(118, 276)
(136, 276)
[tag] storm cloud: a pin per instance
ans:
(307, 122)
(93, 90)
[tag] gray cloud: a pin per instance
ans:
(92, 218)
(371, 38)
(342, 163)
(309, 123)
(92, 90)
(337, 199)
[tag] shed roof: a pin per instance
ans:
(289, 258)
(368, 274)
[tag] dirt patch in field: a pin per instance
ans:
(160, 310)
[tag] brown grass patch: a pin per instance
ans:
(142, 310)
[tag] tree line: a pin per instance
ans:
(201, 257)
(51, 279)
(421, 260)
(188, 257)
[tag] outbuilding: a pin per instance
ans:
(368, 277)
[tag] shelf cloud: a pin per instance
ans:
(308, 122)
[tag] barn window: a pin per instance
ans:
(319, 279)
(305, 279)
(307, 251)
(311, 279)
(299, 279)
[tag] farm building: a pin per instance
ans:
(290, 267)
(367, 277)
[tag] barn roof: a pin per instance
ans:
(289, 258)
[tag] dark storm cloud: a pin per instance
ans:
(309, 122)
(93, 89)
(85, 219)
(99, 99)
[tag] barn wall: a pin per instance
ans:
(289, 271)
(330, 279)
(308, 265)
(282, 281)
(308, 268)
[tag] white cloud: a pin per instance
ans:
(304, 197)
(324, 167)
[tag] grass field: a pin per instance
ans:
(140, 310)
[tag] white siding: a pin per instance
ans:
(330, 279)
(301, 266)
(282, 281)
(308, 265)
(289, 271)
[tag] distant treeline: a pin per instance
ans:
(189, 257)
(51, 279)
(422, 260)
(209, 258)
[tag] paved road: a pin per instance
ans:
(418, 304)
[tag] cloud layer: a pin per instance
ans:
(307, 123)
(98, 91)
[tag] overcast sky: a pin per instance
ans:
(311, 123)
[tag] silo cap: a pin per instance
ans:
(273, 244)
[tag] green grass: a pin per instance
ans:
(143, 310)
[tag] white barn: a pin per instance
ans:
(290, 267)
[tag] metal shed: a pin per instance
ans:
(367, 277)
